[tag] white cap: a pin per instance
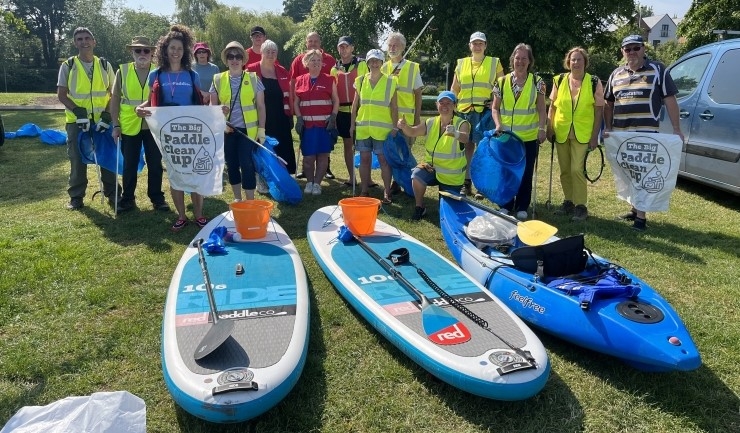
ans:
(478, 36)
(375, 54)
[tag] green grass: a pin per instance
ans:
(82, 294)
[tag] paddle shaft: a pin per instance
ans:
(394, 273)
(509, 218)
(207, 280)
(230, 125)
(412, 44)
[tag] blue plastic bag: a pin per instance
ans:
(105, 151)
(53, 137)
(283, 187)
(9, 134)
(401, 160)
(215, 243)
(497, 166)
(374, 164)
(28, 130)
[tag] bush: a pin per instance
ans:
(430, 89)
(21, 79)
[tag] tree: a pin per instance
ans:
(669, 52)
(193, 13)
(704, 16)
(644, 10)
(48, 20)
(298, 10)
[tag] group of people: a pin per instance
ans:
(362, 100)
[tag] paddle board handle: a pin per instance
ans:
(206, 279)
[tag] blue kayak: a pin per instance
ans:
(579, 297)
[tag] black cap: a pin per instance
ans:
(257, 29)
(345, 40)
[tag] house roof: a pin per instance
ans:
(653, 20)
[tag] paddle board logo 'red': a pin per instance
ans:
(445, 330)
(189, 144)
(646, 161)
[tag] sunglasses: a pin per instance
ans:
(234, 57)
(201, 52)
(629, 50)
(142, 50)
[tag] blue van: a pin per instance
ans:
(708, 81)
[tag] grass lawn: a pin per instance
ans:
(82, 295)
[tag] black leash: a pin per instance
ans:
(401, 255)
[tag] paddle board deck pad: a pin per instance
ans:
(465, 356)
(641, 329)
(260, 285)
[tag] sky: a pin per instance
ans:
(167, 7)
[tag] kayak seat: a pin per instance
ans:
(565, 256)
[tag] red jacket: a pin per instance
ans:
(283, 78)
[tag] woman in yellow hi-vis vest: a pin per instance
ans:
(241, 95)
(374, 116)
(575, 117)
(519, 106)
(444, 160)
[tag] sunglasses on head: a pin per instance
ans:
(234, 57)
(628, 49)
(142, 50)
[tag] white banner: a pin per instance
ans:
(645, 167)
(191, 139)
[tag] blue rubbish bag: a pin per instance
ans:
(497, 166)
(374, 164)
(215, 243)
(53, 137)
(28, 130)
(401, 161)
(105, 151)
(283, 187)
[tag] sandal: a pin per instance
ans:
(201, 222)
(387, 200)
(179, 225)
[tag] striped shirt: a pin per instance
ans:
(638, 95)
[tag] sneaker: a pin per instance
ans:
(75, 203)
(580, 213)
(419, 213)
(201, 222)
(566, 208)
(161, 206)
(309, 188)
(179, 225)
(316, 189)
(467, 188)
(629, 216)
(395, 188)
(479, 196)
(262, 186)
(300, 175)
(329, 174)
(125, 205)
(640, 224)
(521, 215)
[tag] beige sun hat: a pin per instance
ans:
(231, 46)
(140, 41)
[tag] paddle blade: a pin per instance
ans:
(441, 327)
(215, 337)
(534, 232)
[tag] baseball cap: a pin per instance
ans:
(478, 36)
(375, 54)
(447, 94)
(345, 40)
(632, 39)
(201, 46)
(257, 29)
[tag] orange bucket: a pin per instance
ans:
(251, 217)
(360, 214)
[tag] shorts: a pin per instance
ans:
(370, 145)
(430, 179)
(474, 118)
(343, 122)
(315, 141)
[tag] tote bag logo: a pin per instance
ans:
(189, 145)
(646, 161)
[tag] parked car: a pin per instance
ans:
(709, 108)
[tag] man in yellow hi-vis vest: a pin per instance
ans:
(131, 88)
(83, 87)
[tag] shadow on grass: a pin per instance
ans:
(686, 395)
(300, 411)
(716, 196)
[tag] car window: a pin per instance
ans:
(688, 73)
(723, 87)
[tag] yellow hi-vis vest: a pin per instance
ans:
(247, 95)
(579, 117)
(132, 94)
(405, 76)
(374, 115)
(520, 115)
(92, 96)
(444, 154)
(475, 89)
